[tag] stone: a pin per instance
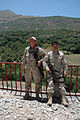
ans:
(12, 107)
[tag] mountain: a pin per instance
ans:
(9, 21)
(8, 16)
(15, 30)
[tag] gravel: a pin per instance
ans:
(13, 107)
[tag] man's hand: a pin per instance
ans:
(48, 70)
(39, 63)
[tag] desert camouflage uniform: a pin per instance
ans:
(29, 63)
(60, 66)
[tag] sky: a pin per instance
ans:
(43, 8)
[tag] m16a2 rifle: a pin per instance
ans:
(52, 74)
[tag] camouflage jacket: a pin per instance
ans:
(29, 59)
(58, 62)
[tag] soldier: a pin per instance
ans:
(58, 62)
(32, 60)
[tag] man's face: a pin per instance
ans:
(32, 43)
(55, 46)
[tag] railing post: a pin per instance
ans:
(2, 77)
(10, 76)
(20, 77)
(6, 76)
(15, 76)
(76, 80)
(70, 81)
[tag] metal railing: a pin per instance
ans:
(72, 82)
(12, 76)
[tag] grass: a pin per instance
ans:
(73, 59)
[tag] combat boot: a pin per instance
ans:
(49, 99)
(26, 97)
(64, 102)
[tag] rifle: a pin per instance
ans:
(52, 74)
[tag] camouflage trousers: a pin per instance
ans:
(58, 87)
(33, 72)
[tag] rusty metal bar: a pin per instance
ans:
(10, 76)
(2, 77)
(6, 76)
(76, 80)
(15, 76)
(70, 81)
(20, 77)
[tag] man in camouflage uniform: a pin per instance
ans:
(33, 56)
(58, 62)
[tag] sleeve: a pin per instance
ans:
(24, 59)
(44, 57)
(42, 54)
(65, 65)
(45, 62)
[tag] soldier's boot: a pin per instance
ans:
(26, 97)
(49, 99)
(64, 102)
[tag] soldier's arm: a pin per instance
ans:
(24, 60)
(42, 52)
(65, 65)
(45, 63)
(43, 56)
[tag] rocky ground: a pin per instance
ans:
(13, 107)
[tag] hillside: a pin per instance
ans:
(8, 16)
(10, 21)
(13, 43)
(15, 31)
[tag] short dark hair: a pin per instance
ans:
(56, 42)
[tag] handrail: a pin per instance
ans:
(11, 75)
